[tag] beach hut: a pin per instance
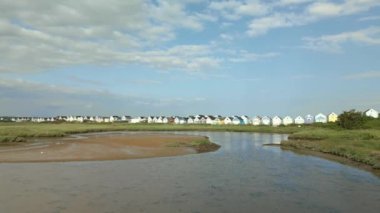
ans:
(160, 119)
(266, 120)
(276, 121)
(237, 120)
(256, 120)
(200, 119)
(150, 119)
(138, 120)
(309, 119)
(79, 119)
(210, 120)
(99, 119)
(371, 113)
(180, 120)
(164, 119)
(126, 118)
(228, 120)
(218, 120)
(332, 117)
(115, 118)
(287, 120)
(299, 120)
(320, 118)
(190, 120)
(245, 119)
(61, 118)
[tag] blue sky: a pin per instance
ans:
(136, 57)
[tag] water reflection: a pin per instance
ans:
(243, 176)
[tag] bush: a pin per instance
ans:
(351, 119)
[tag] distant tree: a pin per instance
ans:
(351, 119)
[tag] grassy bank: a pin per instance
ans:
(15, 132)
(358, 145)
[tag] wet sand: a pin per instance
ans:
(100, 147)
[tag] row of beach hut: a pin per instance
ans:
(197, 119)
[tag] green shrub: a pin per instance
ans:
(351, 119)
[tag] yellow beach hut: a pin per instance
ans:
(333, 117)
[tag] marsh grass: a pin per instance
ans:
(12, 131)
(357, 145)
(200, 145)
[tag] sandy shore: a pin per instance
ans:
(101, 147)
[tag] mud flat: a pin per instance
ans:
(104, 146)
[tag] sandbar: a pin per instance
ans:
(113, 146)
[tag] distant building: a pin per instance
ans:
(200, 119)
(228, 120)
(79, 119)
(126, 118)
(276, 121)
(287, 120)
(164, 119)
(332, 117)
(70, 119)
(256, 120)
(210, 120)
(106, 119)
(299, 120)
(139, 120)
(150, 119)
(371, 113)
(180, 120)
(266, 120)
(99, 119)
(309, 119)
(190, 120)
(237, 120)
(219, 120)
(245, 119)
(320, 118)
(115, 118)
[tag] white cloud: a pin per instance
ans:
(369, 18)
(310, 13)
(252, 8)
(39, 50)
(186, 57)
(42, 35)
(347, 7)
(224, 5)
(234, 10)
(324, 9)
(291, 2)
(174, 14)
(246, 56)
(333, 43)
(262, 25)
(226, 37)
(206, 17)
(363, 75)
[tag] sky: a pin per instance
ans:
(166, 57)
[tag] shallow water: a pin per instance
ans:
(242, 176)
